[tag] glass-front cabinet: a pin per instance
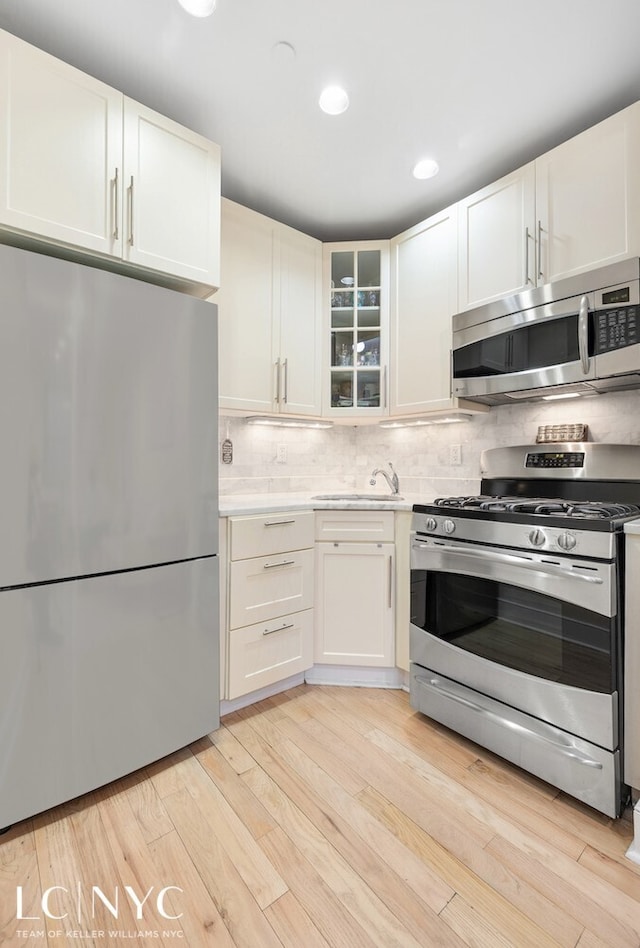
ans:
(357, 281)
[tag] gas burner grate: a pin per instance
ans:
(579, 510)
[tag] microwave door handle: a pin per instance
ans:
(583, 333)
(511, 559)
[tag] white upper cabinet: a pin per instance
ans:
(573, 209)
(172, 197)
(61, 142)
(588, 199)
(86, 168)
(423, 300)
(496, 239)
(269, 315)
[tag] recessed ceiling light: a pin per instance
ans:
(333, 100)
(426, 168)
(198, 7)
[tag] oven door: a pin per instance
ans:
(535, 631)
(535, 348)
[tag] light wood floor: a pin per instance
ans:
(326, 816)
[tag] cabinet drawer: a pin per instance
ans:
(265, 534)
(267, 652)
(270, 586)
(353, 525)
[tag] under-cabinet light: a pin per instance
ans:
(287, 422)
(449, 419)
(553, 398)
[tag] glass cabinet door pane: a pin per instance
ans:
(342, 389)
(369, 389)
(342, 269)
(368, 348)
(368, 268)
(342, 348)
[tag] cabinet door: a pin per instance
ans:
(423, 300)
(300, 326)
(172, 197)
(245, 310)
(61, 145)
(354, 604)
(587, 197)
(496, 246)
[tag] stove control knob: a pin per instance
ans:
(431, 524)
(536, 538)
(448, 526)
(566, 541)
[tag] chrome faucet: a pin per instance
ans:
(391, 479)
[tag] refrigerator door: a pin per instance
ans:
(108, 421)
(101, 676)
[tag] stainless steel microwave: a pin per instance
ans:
(580, 334)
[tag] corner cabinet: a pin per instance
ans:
(573, 209)
(270, 307)
(356, 346)
(355, 588)
(87, 169)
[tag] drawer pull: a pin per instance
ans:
(280, 628)
(277, 523)
(275, 565)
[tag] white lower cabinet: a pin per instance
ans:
(355, 588)
(269, 599)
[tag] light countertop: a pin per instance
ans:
(233, 505)
(632, 527)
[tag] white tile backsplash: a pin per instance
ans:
(342, 458)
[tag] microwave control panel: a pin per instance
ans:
(616, 328)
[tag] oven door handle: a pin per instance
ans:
(565, 748)
(511, 559)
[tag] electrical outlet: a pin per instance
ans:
(281, 454)
(455, 454)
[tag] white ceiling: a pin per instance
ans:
(483, 86)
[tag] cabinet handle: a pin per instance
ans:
(390, 580)
(277, 523)
(285, 368)
(278, 368)
(275, 565)
(115, 208)
(540, 273)
(280, 628)
(527, 237)
(384, 387)
(130, 193)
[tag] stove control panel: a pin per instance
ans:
(546, 459)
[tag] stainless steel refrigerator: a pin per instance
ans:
(108, 527)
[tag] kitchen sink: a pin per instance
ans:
(357, 497)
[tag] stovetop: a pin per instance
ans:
(607, 514)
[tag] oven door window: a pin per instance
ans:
(518, 628)
(536, 346)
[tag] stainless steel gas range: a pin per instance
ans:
(517, 608)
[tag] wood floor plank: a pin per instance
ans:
(485, 884)
(292, 924)
(477, 931)
(255, 870)
(321, 904)
(603, 921)
(360, 894)
(200, 919)
(163, 773)
(230, 784)
(247, 925)
(342, 808)
(625, 878)
(232, 751)
(147, 807)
